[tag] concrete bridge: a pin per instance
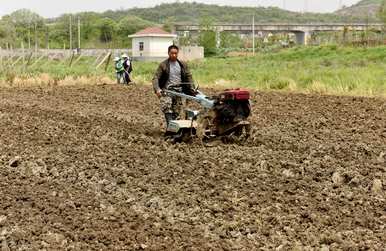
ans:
(301, 31)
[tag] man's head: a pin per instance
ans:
(173, 52)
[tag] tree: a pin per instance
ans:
(169, 24)
(60, 31)
(229, 40)
(382, 12)
(23, 26)
(131, 24)
(25, 17)
(88, 23)
(28, 25)
(7, 33)
(207, 37)
(382, 16)
(107, 28)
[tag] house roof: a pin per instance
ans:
(152, 32)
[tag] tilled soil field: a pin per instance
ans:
(86, 168)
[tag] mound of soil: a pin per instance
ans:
(86, 168)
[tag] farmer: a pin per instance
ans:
(175, 74)
(119, 70)
(128, 68)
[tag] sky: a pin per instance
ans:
(54, 8)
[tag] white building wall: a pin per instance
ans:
(155, 48)
(134, 47)
(159, 46)
(146, 49)
(188, 53)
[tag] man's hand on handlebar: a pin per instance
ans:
(159, 93)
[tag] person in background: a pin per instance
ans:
(128, 68)
(119, 70)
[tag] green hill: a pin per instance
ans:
(192, 13)
(367, 2)
(110, 28)
(365, 9)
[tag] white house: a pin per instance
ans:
(151, 44)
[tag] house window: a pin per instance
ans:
(141, 45)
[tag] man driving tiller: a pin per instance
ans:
(172, 74)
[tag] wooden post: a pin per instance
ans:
(97, 58)
(1, 59)
(36, 40)
(48, 59)
(108, 62)
(28, 60)
(77, 60)
(23, 52)
(72, 58)
(17, 61)
(40, 58)
(29, 36)
(103, 60)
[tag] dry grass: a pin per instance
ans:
(318, 87)
(45, 79)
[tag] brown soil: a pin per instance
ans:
(86, 168)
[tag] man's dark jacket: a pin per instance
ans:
(128, 65)
(161, 77)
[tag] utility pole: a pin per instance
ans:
(29, 36)
(253, 35)
(78, 33)
(47, 38)
(23, 52)
(71, 32)
(36, 38)
(284, 5)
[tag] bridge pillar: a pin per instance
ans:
(303, 37)
(218, 39)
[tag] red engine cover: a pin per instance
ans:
(235, 94)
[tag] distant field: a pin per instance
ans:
(333, 70)
(324, 69)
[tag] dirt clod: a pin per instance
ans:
(15, 161)
(377, 186)
(337, 179)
